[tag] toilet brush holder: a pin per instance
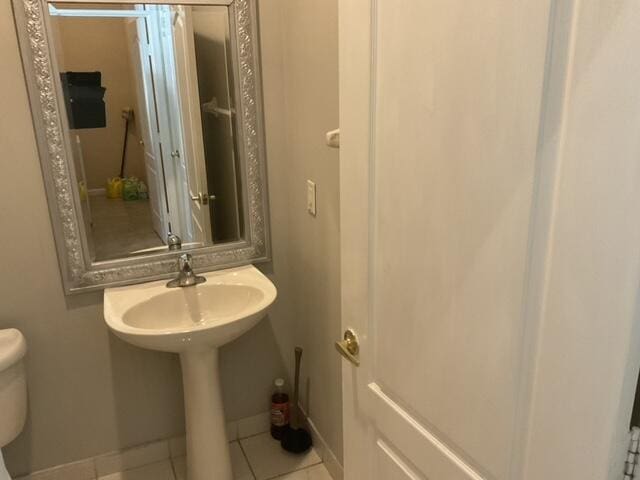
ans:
(296, 439)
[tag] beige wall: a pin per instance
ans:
(100, 44)
(300, 44)
(89, 392)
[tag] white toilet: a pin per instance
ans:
(13, 389)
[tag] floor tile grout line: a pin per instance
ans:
(140, 467)
(246, 458)
(302, 469)
(320, 462)
(174, 473)
(251, 436)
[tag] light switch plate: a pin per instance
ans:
(311, 198)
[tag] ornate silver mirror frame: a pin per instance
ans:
(78, 271)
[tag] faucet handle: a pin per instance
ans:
(184, 262)
(174, 242)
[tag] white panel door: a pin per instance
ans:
(458, 89)
(145, 116)
(193, 162)
(165, 89)
(445, 227)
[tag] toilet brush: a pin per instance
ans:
(296, 439)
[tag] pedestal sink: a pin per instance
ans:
(194, 322)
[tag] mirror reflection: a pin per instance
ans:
(149, 93)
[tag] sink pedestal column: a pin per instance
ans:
(208, 456)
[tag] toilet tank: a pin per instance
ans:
(13, 385)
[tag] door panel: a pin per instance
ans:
(459, 112)
(456, 90)
(407, 434)
(391, 466)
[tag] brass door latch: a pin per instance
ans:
(349, 348)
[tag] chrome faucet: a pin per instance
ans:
(174, 242)
(186, 277)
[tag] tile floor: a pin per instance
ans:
(253, 458)
(120, 227)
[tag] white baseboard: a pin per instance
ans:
(331, 462)
(152, 452)
(145, 454)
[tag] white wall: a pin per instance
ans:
(304, 33)
(89, 392)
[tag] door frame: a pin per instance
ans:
(355, 21)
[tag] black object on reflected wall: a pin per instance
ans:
(84, 98)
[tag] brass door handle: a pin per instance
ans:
(349, 348)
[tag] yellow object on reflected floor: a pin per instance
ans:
(114, 187)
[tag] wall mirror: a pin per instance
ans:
(149, 123)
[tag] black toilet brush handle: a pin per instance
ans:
(296, 390)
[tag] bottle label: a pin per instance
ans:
(279, 414)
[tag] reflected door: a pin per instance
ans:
(146, 108)
(215, 87)
(194, 156)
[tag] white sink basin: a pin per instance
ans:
(194, 321)
(211, 314)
